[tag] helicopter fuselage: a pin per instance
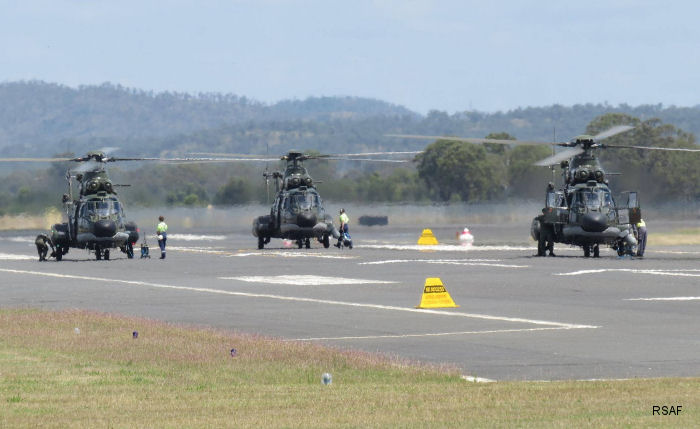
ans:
(586, 215)
(296, 214)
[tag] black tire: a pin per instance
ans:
(541, 245)
(326, 241)
(105, 255)
(307, 243)
(59, 253)
(261, 243)
(586, 251)
(98, 253)
(596, 251)
(300, 243)
(129, 250)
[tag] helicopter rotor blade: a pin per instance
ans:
(612, 132)
(35, 159)
(670, 149)
(559, 157)
(473, 140)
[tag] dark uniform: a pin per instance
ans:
(43, 242)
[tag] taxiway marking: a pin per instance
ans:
(465, 262)
(16, 257)
(444, 247)
(309, 300)
(289, 254)
(673, 272)
(438, 334)
(670, 298)
(306, 280)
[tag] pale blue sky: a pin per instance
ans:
(423, 54)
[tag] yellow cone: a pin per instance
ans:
(435, 295)
(427, 238)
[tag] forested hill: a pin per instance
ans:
(38, 118)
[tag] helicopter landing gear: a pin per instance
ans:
(58, 253)
(98, 253)
(596, 251)
(105, 254)
(326, 241)
(129, 250)
(261, 243)
(307, 243)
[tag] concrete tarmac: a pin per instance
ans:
(520, 317)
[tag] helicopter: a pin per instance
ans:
(583, 212)
(297, 212)
(96, 219)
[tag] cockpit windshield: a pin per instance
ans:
(304, 201)
(594, 198)
(101, 208)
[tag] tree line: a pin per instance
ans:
(445, 171)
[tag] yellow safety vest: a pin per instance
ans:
(641, 223)
(162, 227)
(344, 218)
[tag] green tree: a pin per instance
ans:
(454, 169)
(236, 191)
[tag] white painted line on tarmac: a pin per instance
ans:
(670, 298)
(193, 237)
(309, 300)
(674, 272)
(16, 257)
(306, 280)
(288, 254)
(464, 262)
(439, 334)
(444, 247)
(293, 253)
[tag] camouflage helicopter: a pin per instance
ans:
(583, 212)
(95, 215)
(297, 212)
(96, 218)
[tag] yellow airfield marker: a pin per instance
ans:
(435, 295)
(427, 238)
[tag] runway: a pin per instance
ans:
(519, 317)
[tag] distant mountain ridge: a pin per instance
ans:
(44, 118)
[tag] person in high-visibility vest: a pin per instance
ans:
(641, 237)
(344, 219)
(162, 231)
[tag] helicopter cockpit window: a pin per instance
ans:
(304, 201)
(101, 208)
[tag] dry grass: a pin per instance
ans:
(24, 221)
(171, 376)
(680, 237)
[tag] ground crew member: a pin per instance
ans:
(162, 231)
(641, 237)
(43, 242)
(344, 219)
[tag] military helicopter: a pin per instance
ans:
(96, 218)
(297, 212)
(583, 212)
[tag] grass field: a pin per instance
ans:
(81, 369)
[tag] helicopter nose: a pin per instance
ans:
(306, 219)
(105, 228)
(594, 222)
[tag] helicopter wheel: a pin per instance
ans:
(300, 243)
(326, 241)
(308, 243)
(261, 243)
(129, 250)
(98, 253)
(105, 255)
(586, 251)
(59, 253)
(596, 251)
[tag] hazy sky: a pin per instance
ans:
(423, 54)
